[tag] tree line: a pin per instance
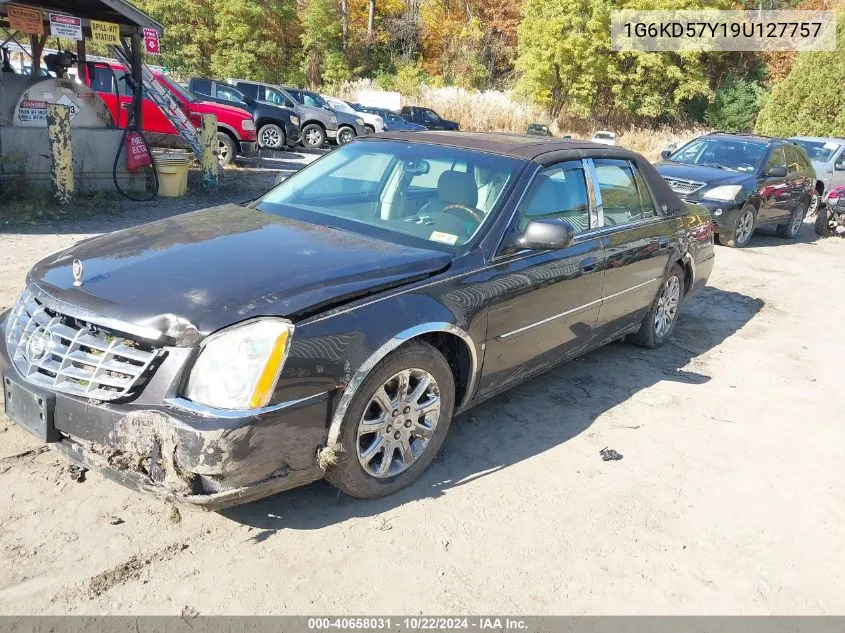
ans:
(554, 53)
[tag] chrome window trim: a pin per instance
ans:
(593, 177)
(601, 301)
(402, 337)
(183, 404)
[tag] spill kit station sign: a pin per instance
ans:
(105, 32)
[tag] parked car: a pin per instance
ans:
(604, 137)
(317, 122)
(277, 126)
(349, 126)
(428, 118)
(538, 129)
(393, 121)
(372, 122)
(335, 326)
(745, 180)
(827, 156)
(236, 133)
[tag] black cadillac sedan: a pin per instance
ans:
(335, 326)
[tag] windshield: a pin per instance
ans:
(732, 154)
(182, 92)
(397, 190)
(340, 106)
(818, 151)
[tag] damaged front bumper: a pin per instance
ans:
(175, 450)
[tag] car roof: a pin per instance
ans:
(825, 139)
(523, 146)
(751, 138)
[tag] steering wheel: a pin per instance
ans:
(475, 214)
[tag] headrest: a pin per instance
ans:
(457, 187)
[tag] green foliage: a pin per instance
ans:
(460, 62)
(565, 62)
(735, 105)
(407, 80)
(809, 99)
(323, 59)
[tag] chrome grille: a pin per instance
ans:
(71, 356)
(683, 187)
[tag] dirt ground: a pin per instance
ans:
(730, 497)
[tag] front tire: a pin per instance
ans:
(313, 136)
(226, 148)
(791, 229)
(369, 129)
(822, 223)
(658, 324)
(345, 135)
(271, 136)
(743, 231)
(396, 423)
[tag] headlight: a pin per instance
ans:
(725, 192)
(248, 124)
(294, 120)
(238, 367)
(360, 122)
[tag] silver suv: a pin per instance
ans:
(828, 158)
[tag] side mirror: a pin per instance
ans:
(777, 172)
(666, 153)
(839, 165)
(546, 235)
(249, 100)
(289, 103)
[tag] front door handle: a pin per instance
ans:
(589, 265)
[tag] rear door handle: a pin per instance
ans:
(589, 265)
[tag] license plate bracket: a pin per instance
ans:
(30, 409)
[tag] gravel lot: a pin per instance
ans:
(730, 497)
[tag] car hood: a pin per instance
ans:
(192, 274)
(711, 176)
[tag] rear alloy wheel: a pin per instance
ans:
(791, 229)
(815, 203)
(226, 148)
(743, 231)
(657, 326)
(313, 136)
(271, 136)
(396, 422)
(345, 135)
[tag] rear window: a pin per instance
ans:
(203, 86)
(819, 151)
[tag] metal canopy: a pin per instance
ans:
(116, 11)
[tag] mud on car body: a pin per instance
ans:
(334, 326)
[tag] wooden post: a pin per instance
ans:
(61, 156)
(208, 141)
(81, 59)
(137, 74)
(36, 47)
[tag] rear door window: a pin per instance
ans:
(776, 159)
(625, 196)
(794, 165)
(102, 80)
(202, 86)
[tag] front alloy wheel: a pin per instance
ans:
(272, 137)
(344, 136)
(398, 423)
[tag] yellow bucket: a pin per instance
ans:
(172, 170)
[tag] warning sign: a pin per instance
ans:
(105, 32)
(24, 19)
(65, 26)
(70, 103)
(151, 41)
(33, 111)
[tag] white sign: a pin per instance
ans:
(67, 101)
(65, 26)
(32, 111)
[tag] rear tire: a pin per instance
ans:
(271, 136)
(658, 324)
(822, 225)
(226, 148)
(348, 473)
(313, 136)
(791, 229)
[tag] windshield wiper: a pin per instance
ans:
(716, 166)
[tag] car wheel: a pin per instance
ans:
(369, 129)
(313, 136)
(822, 223)
(658, 324)
(226, 148)
(791, 229)
(396, 422)
(743, 231)
(271, 136)
(815, 203)
(345, 135)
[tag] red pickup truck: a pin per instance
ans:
(235, 127)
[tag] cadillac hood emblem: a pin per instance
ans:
(77, 272)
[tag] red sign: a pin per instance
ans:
(151, 41)
(137, 155)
